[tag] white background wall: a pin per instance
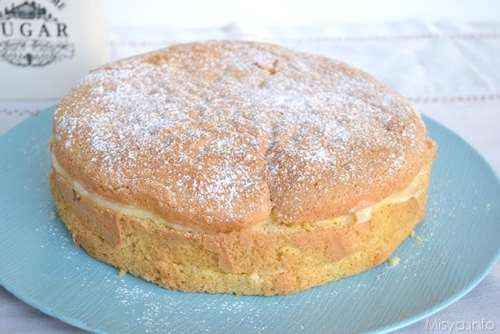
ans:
(199, 14)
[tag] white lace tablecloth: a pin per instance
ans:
(451, 71)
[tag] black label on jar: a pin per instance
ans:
(31, 35)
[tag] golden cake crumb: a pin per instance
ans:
(394, 261)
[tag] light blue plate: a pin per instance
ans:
(40, 265)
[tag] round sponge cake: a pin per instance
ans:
(238, 167)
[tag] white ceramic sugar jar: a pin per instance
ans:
(46, 46)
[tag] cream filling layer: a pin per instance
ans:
(359, 216)
(101, 201)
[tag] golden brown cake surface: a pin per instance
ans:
(218, 149)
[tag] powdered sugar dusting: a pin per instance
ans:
(234, 127)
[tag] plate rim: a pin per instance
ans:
(25, 298)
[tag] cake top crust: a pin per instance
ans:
(220, 135)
